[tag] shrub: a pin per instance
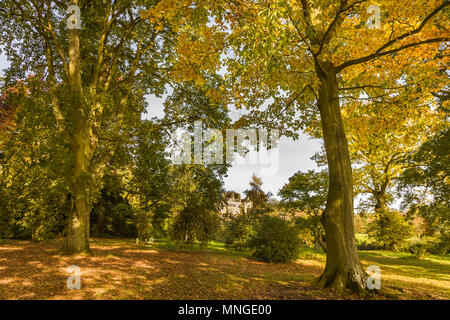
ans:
(364, 242)
(418, 247)
(420, 250)
(275, 240)
(421, 247)
(390, 229)
(194, 224)
(442, 244)
(238, 232)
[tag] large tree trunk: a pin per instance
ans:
(380, 208)
(343, 268)
(380, 202)
(78, 224)
(380, 197)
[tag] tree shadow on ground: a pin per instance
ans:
(410, 266)
(120, 270)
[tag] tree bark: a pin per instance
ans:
(319, 239)
(322, 243)
(100, 221)
(78, 224)
(380, 202)
(343, 269)
(380, 197)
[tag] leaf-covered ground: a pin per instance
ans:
(118, 269)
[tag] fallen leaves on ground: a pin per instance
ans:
(121, 270)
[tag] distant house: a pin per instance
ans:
(234, 204)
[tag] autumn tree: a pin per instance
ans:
(306, 192)
(7, 115)
(424, 184)
(304, 55)
(34, 185)
(383, 134)
(96, 73)
(256, 194)
(197, 196)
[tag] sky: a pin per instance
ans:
(293, 155)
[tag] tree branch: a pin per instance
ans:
(377, 55)
(379, 52)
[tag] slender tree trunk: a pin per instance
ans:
(100, 219)
(322, 243)
(319, 239)
(78, 224)
(343, 268)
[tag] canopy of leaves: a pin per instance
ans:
(426, 183)
(305, 191)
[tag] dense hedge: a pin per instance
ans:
(275, 240)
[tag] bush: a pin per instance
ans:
(420, 250)
(422, 247)
(238, 233)
(364, 242)
(194, 224)
(275, 240)
(442, 245)
(418, 247)
(390, 229)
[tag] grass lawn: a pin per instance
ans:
(118, 269)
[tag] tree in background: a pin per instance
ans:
(240, 228)
(425, 183)
(112, 215)
(147, 180)
(390, 229)
(255, 194)
(197, 196)
(8, 111)
(383, 134)
(305, 196)
(425, 187)
(7, 124)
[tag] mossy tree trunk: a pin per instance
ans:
(78, 225)
(380, 197)
(343, 268)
